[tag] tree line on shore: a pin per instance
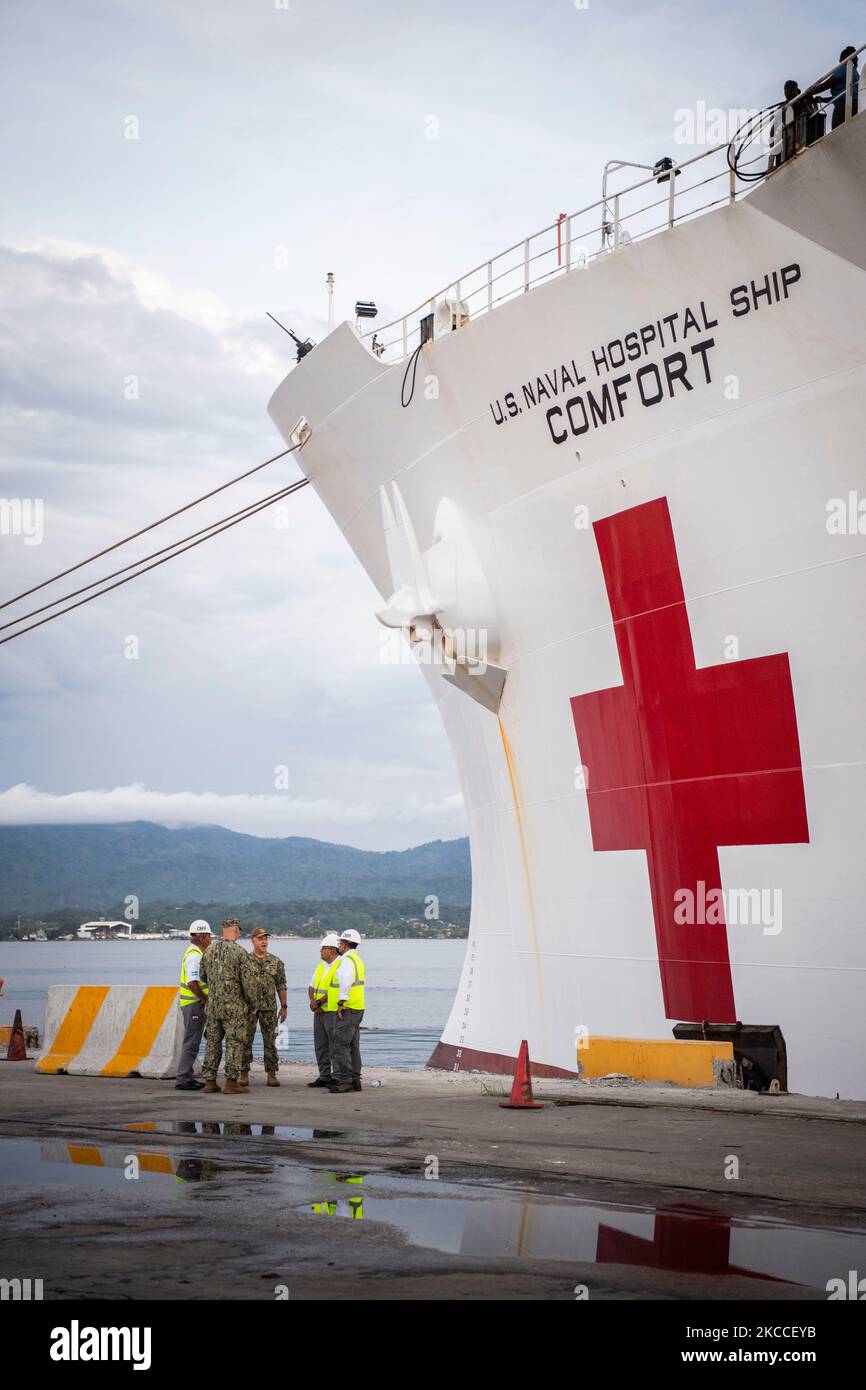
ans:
(305, 917)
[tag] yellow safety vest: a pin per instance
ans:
(186, 994)
(355, 1204)
(325, 985)
(356, 989)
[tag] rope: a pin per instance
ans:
(749, 131)
(225, 525)
(168, 517)
(413, 365)
(240, 515)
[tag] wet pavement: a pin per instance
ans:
(127, 1189)
(479, 1221)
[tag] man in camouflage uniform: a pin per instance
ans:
(268, 974)
(225, 969)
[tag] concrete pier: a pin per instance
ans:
(734, 1161)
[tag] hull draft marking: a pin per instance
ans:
(682, 760)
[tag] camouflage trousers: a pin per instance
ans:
(231, 1023)
(267, 1021)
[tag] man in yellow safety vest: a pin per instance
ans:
(193, 998)
(323, 1003)
(346, 1052)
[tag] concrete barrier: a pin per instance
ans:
(659, 1059)
(121, 1030)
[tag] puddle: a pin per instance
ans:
(287, 1132)
(455, 1218)
(52, 1162)
(679, 1237)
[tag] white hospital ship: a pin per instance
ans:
(611, 484)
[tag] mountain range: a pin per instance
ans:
(44, 867)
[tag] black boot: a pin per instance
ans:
(320, 1081)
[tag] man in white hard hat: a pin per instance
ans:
(323, 1003)
(193, 998)
(346, 1053)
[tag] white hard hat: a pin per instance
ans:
(199, 927)
(351, 935)
(331, 939)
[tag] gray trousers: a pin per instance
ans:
(346, 1053)
(193, 1027)
(323, 1042)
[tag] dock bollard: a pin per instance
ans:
(521, 1090)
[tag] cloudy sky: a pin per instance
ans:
(393, 142)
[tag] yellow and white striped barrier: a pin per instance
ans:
(121, 1030)
(104, 1156)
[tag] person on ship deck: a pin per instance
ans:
(837, 87)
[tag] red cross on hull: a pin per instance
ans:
(682, 760)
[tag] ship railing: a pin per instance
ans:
(575, 241)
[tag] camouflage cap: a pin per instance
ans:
(231, 921)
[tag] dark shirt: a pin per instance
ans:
(838, 82)
(839, 79)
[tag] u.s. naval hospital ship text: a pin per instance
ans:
(680, 369)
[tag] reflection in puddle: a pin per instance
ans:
(680, 1238)
(344, 1198)
(456, 1218)
(50, 1162)
(296, 1132)
(53, 1161)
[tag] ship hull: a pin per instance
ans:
(666, 809)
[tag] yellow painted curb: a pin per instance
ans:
(650, 1059)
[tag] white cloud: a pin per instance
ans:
(152, 290)
(403, 820)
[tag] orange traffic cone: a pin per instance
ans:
(521, 1090)
(17, 1052)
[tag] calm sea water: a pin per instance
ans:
(410, 986)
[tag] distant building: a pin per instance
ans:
(103, 930)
